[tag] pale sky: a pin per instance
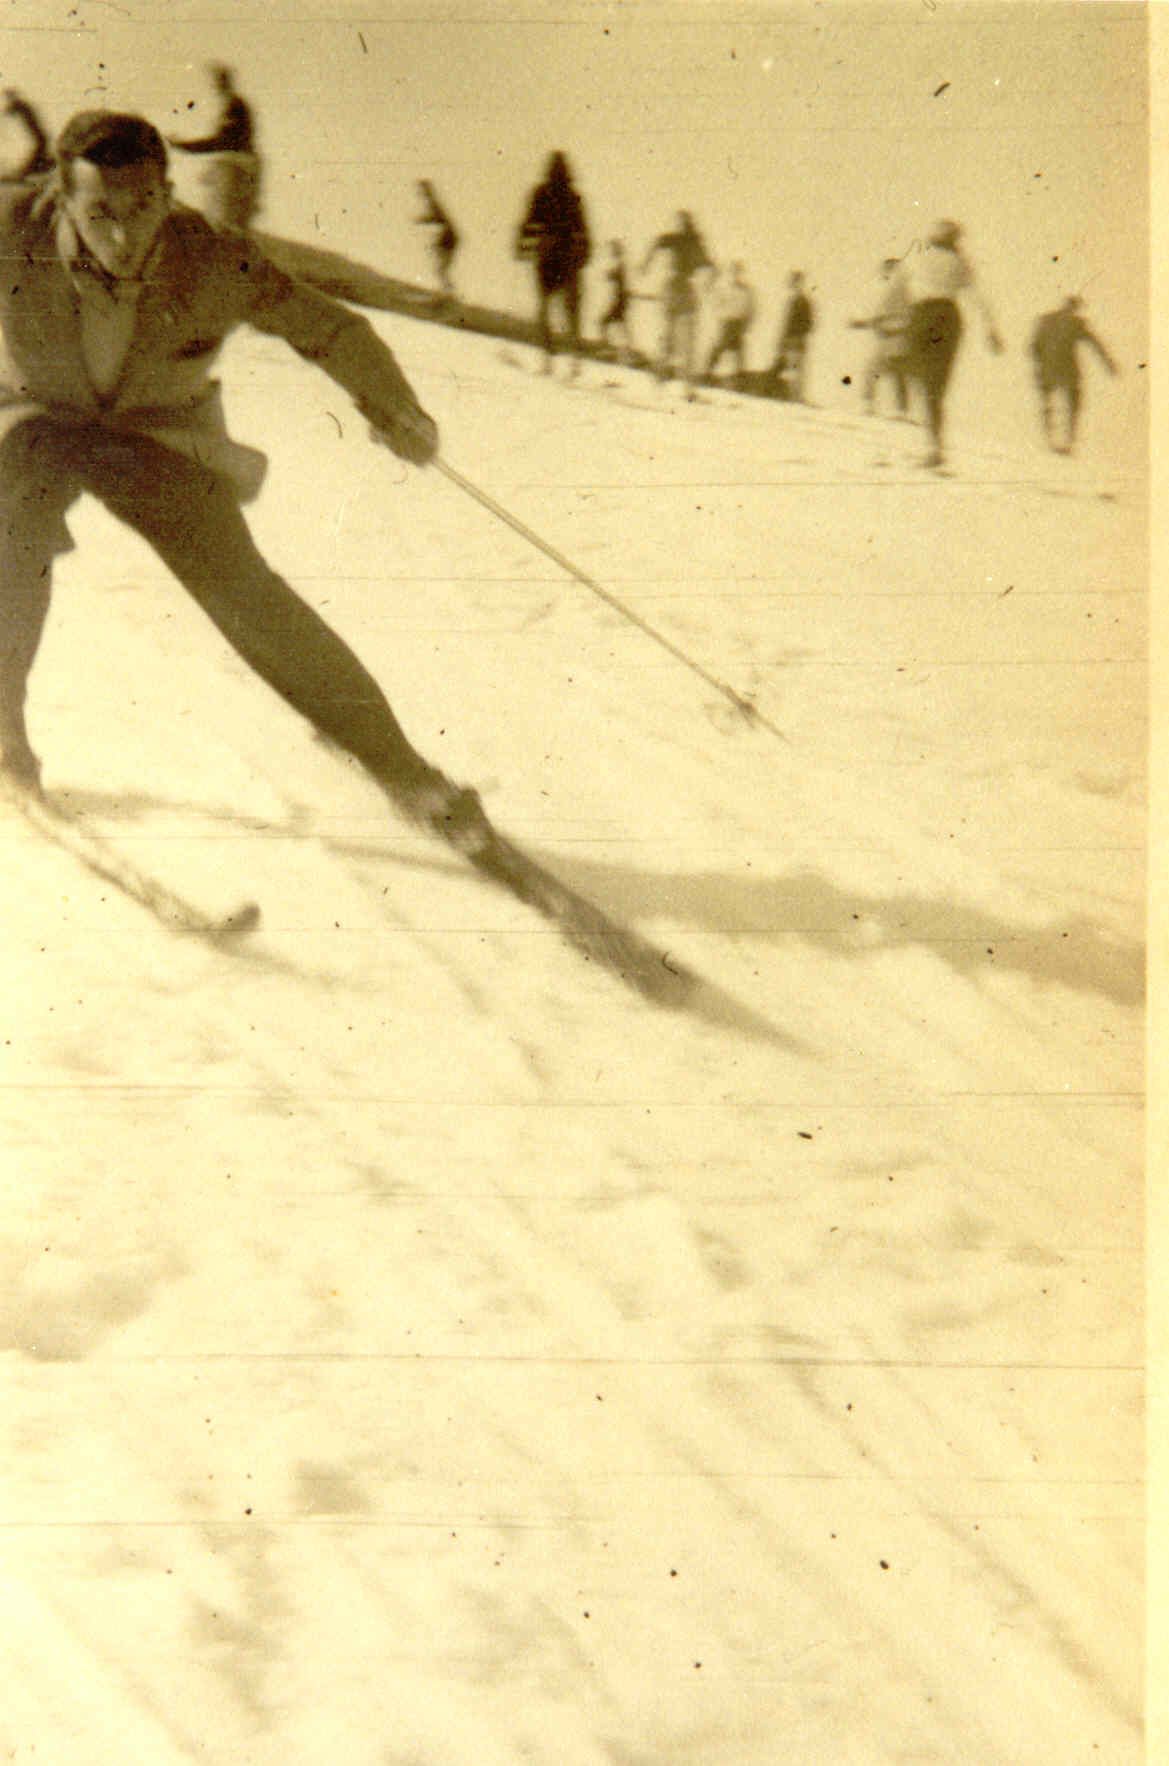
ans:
(819, 136)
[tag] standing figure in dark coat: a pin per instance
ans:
(1054, 344)
(554, 234)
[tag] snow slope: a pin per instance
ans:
(418, 1349)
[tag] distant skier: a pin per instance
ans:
(444, 241)
(37, 160)
(888, 323)
(688, 259)
(231, 178)
(733, 300)
(616, 314)
(1053, 349)
(791, 356)
(554, 234)
(931, 279)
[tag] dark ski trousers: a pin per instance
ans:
(192, 519)
(547, 290)
(932, 337)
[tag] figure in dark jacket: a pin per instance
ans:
(231, 175)
(1054, 347)
(554, 234)
(110, 334)
(791, 356)
(37, 160)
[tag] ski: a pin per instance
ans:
(66, 830)
(584, 926)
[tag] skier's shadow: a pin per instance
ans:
(807, 905)
(675, 987)
(802, 904)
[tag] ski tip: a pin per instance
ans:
(244, 919)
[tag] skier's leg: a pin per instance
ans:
(35, 491)
(544, 321)
(687, 332)
(571, 293)
(666, 362)
(1074, 398)
(194, 523)
(874, 368)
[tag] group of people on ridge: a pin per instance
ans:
(110, 335)
(554, 235)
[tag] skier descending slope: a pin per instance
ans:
(115, 305)
(110, 326)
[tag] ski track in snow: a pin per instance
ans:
(419, 1349)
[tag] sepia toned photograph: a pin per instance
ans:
(574, 725)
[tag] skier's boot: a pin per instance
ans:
(18, 763)
(452, 811)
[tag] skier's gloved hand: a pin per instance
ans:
(412, 435)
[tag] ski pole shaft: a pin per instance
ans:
(742, 705)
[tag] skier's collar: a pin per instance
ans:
(86, 273)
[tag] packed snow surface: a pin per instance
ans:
(420, 1349)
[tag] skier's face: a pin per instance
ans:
(118, 212)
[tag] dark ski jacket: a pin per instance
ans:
(556, 232)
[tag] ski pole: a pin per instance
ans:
(742, 705)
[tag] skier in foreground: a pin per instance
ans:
(109, 334)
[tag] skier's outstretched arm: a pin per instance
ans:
(993, 338)
(342, 343)
(1095, 343)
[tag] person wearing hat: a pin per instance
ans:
(109, 335)
(932, 279)
(1053, 350)
(231, 176)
